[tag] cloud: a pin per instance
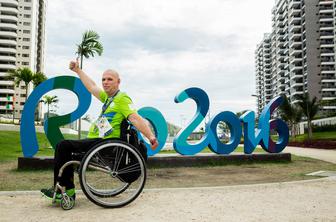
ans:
(163, 47)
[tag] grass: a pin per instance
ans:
(10, 146)
(316, 136)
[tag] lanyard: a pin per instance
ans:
(108, 103)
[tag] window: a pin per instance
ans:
(26, 39)
(26, 16)
(25, 47)
(26, 31)
(27, 8)
(25, 63)
(25, 55)
(26, 23)
(27, 0)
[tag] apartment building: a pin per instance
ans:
(302, 51)
(22, 25)
(263, 67)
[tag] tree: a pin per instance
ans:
(38, 78)
(88, 47)
(21, 74)
(309, 109)
(49, 100)
(291, 114)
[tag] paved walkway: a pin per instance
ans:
(321, 154)
(293, 201)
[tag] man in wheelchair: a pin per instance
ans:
(116, 110)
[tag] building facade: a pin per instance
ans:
(22, 34)
(302, 52)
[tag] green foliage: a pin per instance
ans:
(10, 147)
(90, 45)
(325, 128)
(331, 135)
(38, 78)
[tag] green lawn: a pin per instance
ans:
(316, 136)
(10, 146)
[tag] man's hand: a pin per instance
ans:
(74, 66)
(154, 143)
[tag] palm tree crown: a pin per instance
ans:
(49, 100)
(309, 109)
(89, 46)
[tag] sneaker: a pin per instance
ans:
(49, 193)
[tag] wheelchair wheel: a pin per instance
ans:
(112, 174)
(108, 193)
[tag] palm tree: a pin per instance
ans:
(49, 100)
(291, 114)
(309, 109)
(38, 78)
(89, 46)
(22, 74)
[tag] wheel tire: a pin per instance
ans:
(67, 202)
(92, 193)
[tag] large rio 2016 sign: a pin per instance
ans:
(252, 135)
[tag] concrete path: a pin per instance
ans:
(293, 201)
(321, 154)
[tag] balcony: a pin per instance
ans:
(12, 3)
(295, 76)
(7, 91)
(7, 50)
(7, 66)
(328, 80)
(6, 83)
(327, 28)
(8, 42)
(9, 18)
(295, 60)
(326, 11)
(9, 10)
(326, 19)
(295, 52)
(294, 4)
(8, 58)
(295, 21)
(8, 34)
(294, 12)
(296, 84)
(294, 28)
(326, 2)
(327, 37)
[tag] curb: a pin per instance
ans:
(36, 192)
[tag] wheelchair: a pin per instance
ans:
(112, 174)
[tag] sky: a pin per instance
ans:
(160, 48)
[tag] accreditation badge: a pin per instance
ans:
(103, 126)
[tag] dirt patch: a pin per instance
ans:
(12, 179)
(317, 144)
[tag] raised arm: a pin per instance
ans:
(141, 125)
(89, 84)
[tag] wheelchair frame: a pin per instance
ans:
(100, 196)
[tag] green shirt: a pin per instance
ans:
(118, 110)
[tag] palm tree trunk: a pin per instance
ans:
(79, 120)
(48, 112)
(310, 132)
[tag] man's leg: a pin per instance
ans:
(63, 154)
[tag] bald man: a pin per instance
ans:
(117, 107)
